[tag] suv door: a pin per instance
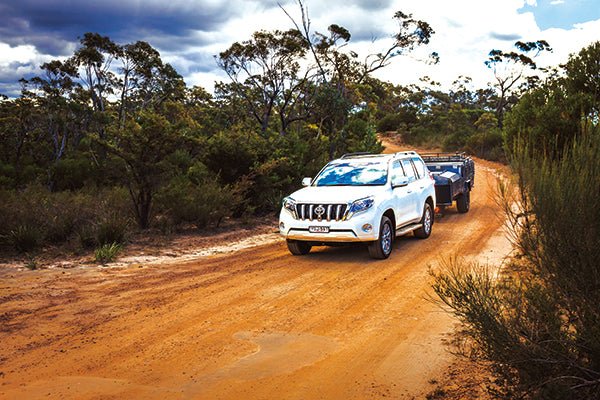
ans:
(412, 192)
(402, 198)
(421, 186)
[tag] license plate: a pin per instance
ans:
(318, 229)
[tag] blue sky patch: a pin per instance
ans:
(563, 13)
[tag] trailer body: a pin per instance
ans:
(454, 175)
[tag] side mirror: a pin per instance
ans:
(399, 181)
(306, 181)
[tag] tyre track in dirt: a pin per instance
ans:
(257, 324)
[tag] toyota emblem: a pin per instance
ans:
(320, 210)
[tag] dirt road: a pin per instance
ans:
(255, 324)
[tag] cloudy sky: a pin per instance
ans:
(188, 33)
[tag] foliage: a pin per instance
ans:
(539, 321)
(31, 264)
(25, 238)
(198, 200)
(36, 216)
(107, 252)
(111, 229)
(510, 68)
(144, 145)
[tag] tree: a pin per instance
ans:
(94, 58)
(267, 74)
(583, 76)
(340, 72)
(510, 67)
(144, 143)
(57, 118)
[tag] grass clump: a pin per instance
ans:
(107, 252)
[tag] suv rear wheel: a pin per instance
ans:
(426, 223)
(298, 248)
(382, 247)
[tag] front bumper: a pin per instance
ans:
(339, 231)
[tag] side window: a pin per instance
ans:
(420, 167)
(397, 169)
(409, 170)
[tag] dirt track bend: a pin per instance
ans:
(255, 324)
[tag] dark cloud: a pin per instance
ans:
(51, 25)
(505, 36)
(54, 27)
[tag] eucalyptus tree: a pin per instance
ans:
(512, 67)
(267, 74)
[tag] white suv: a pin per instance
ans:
(361, 198)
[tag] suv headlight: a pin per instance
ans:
(289, 204)
(360, 205)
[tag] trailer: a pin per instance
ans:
(454, 175)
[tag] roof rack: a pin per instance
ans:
(358, 154)
(440, 157)
(405, 153)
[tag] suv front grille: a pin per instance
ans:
(321, 212)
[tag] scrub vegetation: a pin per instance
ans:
(537, 320)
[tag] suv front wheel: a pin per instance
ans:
(382, 247)
(298, 248)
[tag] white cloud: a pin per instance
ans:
(20, 54)
(466, 30)
(206, 80)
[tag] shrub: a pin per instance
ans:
(112, 229)
(89, 216)
(201, 204)
(488, 145)
(390, 122)
(107, 252)
(31, 264)
(540, 323)
(25, 238)
(86, 236)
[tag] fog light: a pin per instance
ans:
(367, 228)
(281, 226)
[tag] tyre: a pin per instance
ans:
(298, 248)
(426, 222)
(382, 247)
(463, 202)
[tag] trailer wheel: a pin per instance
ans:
(463, 202)
(426, 223)
(382, 247)
(298, 248)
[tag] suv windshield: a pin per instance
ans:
(353, 174)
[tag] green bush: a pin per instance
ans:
(539, 323)
(201, 204)
(107, 252)
(112, 229)
(72, 173)
(488, 145)
(25, 238)
(93, 217)
(389, 123)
